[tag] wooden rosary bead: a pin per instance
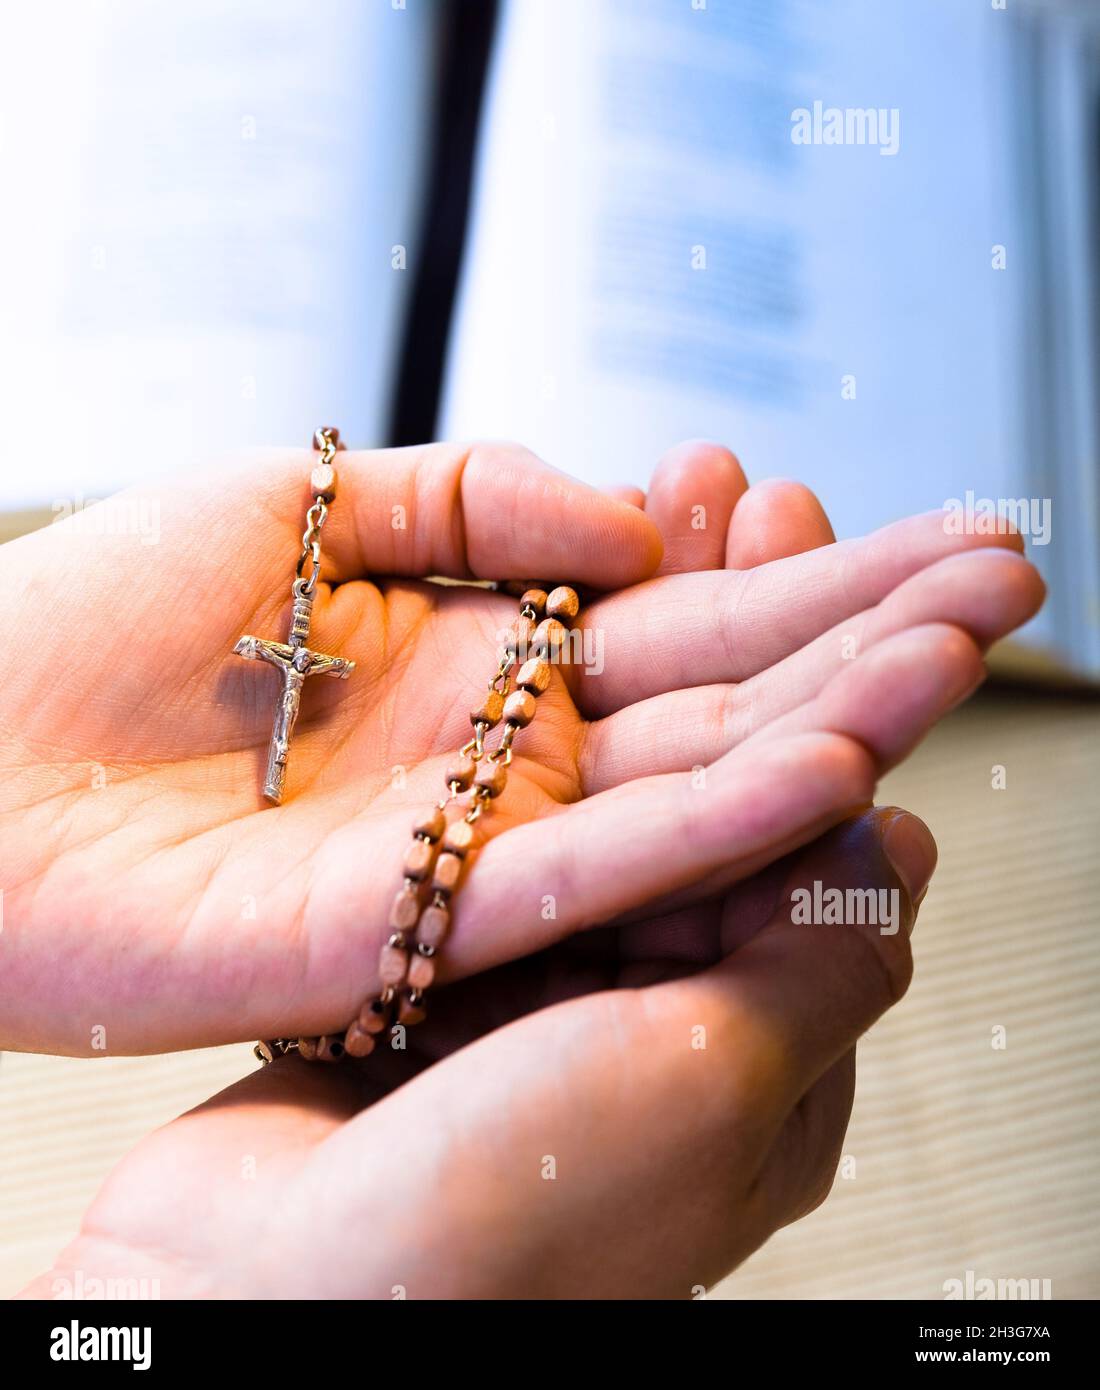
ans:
(534, 675)
(322, 482)
(519, 638)
(330, 1048)
(333, 434)
(411, 1009)
(373, 1016)
(519, 708)
(534, 599)
(431, 824)
(358, 1042)
(489, 710)
(549, 637)
(461, 772)
(563, 603)
(307, 1049)
(419, 858)
(518, 587)
(421, 971)
(459, 837)
(434, 924)
(448, 868)
(492, 776)
(393, 964)
(405, 909)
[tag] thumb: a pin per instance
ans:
(482, 511)
(834, 954)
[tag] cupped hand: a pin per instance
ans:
(153, 900)
(633, 1143)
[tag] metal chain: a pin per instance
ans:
(316, 517)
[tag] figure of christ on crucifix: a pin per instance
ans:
(295, 660)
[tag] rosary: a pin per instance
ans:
(421, 913)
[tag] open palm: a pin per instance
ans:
(153, 901)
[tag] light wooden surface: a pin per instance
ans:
(966, 1157)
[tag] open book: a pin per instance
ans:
(854, 240)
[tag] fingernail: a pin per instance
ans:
(910, 848)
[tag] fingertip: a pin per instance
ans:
(1008, 587)
(639, 547)
(836, 763)
(872, 847)
(852, 769)
(911, 848)
(775, 519)
(694, 490)
(973, 530)
(1026, 586)
(1004, 528)
(958, 654)
(699, 458)
(988, 593)
(938, 656)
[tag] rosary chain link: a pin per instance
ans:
(326, 443)
(311, 545)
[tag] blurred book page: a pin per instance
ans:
(198, 248)
(654, 254)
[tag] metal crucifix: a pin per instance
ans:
(296, 661)
(294, 658)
